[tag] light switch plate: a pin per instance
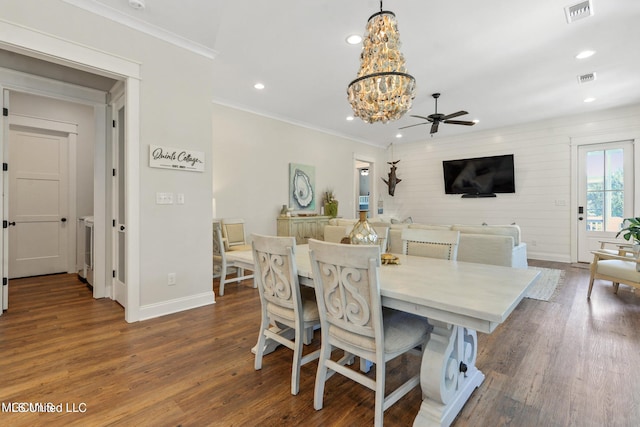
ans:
(164, 198)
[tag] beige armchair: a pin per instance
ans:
(618, 268)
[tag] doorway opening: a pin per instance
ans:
(78, 58)
(364, 187)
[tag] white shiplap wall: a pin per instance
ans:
(543, 172)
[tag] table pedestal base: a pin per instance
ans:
(437, 414)
(448, 374)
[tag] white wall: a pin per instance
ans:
(251, 156)
(542, 156)
(82, 115)
(175, 111)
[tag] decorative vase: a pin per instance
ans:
(331, 209)
(363, 233)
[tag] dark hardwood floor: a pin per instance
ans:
(567, 362)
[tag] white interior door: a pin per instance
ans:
(119, 229)
(605, 182)
(38, 199)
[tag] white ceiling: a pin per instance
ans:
(505, 62)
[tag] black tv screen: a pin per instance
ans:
(479, 176)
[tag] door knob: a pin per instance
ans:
(580, 218)
(122, 228)
(12, 223)
(63, 219)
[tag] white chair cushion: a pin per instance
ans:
(239, 248)
(400, 332)
(618, 268)
(309, 307)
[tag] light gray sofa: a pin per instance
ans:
(484, 244)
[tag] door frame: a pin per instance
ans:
(71, 130)
(117, 102)
(373, 198)
(28, 42)
(632, 135)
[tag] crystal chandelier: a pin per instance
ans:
(383, 90)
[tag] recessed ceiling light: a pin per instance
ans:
(259, 86)
(349, 118)
(354, 39)
(585, 54)
(398, 135)
(591, 99)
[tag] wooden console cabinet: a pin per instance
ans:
(303, 228)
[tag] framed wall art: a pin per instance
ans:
(302, 187)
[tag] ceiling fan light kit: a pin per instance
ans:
(383, 90)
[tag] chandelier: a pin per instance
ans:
(383, 90)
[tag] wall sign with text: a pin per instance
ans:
(176, 158)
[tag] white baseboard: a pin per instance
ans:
(542, 256)
(177, 305)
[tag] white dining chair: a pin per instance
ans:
(234, 234)
(383, 237)
(284, 304)
(441, 244)
(221, 266)
(352, 319)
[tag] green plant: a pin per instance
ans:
(632, 230)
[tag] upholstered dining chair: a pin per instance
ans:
(352, 319)
(222, 267)
(383, 237)
(431, 243)
(616, 268)
(284, 304)
(233, 232)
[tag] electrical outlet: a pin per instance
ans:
(171, 279)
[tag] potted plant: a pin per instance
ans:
(631, 231)
(330, 204)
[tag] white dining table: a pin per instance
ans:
(459, 299)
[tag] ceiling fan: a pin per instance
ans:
(435, 119)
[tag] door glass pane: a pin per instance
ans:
(605, 190)
(595, 170)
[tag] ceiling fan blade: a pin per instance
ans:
(417, 124)
(452, 115)
(459, 122)
(434, 127)
(421, 117)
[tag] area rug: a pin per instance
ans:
(546, 284)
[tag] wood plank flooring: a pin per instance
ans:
(567, 362)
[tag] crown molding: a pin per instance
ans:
(112, 14)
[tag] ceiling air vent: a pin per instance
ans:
(586, 78)
(578, 11)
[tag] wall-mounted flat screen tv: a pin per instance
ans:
(482, 176)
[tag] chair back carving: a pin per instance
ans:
(277, 275)
(347, 291)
